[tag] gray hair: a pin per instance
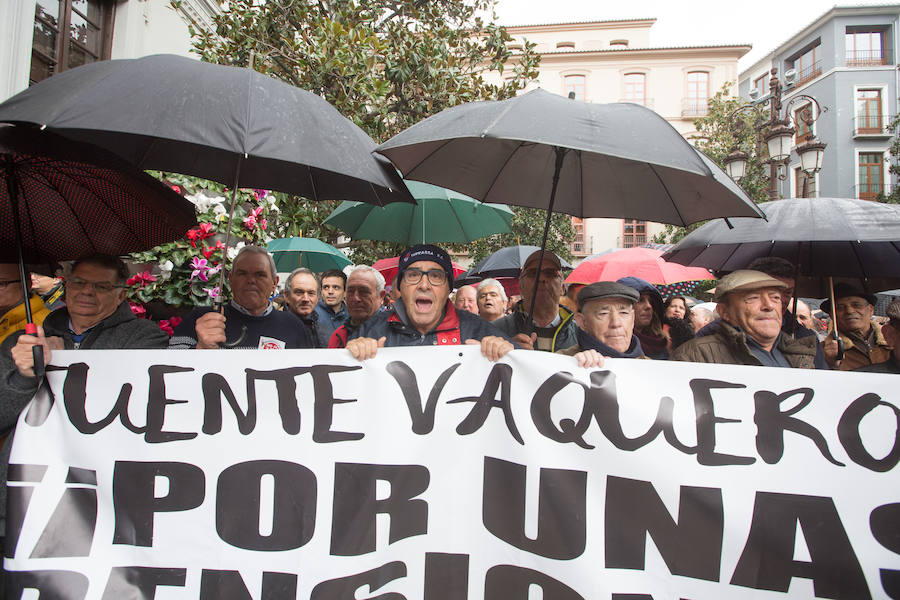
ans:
(491, 281)
(379, 278)
(294, 273)
(256, 250)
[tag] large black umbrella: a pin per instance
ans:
(824, 237)
(62, 200)
(228, 124)
(589, 160)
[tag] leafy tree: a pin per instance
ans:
(719, 133)
(385, 64)
(528, 229)
(894, 150)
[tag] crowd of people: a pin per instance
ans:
(750, 323)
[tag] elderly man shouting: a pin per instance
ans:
(424, 315)
(750, 304)
(605, 319)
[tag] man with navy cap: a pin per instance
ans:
(424, 315)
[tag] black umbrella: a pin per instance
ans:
(62, 200)
(589, 160)
(506, 262)
(826, 238)
(228, 124)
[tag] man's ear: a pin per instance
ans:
(579, 320)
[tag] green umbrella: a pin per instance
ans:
(439, 215)
(311, 253)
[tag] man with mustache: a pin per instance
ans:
(424, 315)
(750, 304)
(864, 343)
(250, 312)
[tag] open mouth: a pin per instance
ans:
(424, 304)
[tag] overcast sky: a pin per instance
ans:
(762, 23)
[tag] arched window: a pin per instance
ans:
(636, 88)
(575, 84)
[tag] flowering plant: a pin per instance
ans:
(185, 273)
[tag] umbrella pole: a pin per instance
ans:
(37, 351)
(560, 155)
(220, 300)
(834, 325)
(795, 298)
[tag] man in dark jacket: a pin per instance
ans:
(95, 317)
(551, 327)
(605, 319)
(749, 332)
(365, 294)
(891, 333)
(424, 315)
(301, 293)
(250, 321)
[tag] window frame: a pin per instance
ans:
(63, 46)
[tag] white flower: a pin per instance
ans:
(232, 252)
(203, 202)
(165, 269)
(220, 212)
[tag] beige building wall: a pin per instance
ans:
(603, 53)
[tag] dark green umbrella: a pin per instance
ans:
(438, 216)
(315, 255)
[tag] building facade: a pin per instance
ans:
(43, 37)
(615, 61)
(847, 60)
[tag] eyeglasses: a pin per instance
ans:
(545, 273)
(105, 287)
(5, 284)
(435, 276)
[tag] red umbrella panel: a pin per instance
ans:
(644, 263)
(388, 267)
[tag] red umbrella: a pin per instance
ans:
(645, 263)
(389, 267)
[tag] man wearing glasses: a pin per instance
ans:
(424, 315)
(552, 327)
(96, 316)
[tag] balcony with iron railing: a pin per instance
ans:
(868, 58)
(872, 126)
(694, 107)
(808, 73)
(871, 191)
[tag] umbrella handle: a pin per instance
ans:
(239, 339)
(37, 352)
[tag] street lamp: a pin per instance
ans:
(778, 134)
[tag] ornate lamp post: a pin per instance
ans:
(778, 134)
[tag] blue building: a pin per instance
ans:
(847, 60)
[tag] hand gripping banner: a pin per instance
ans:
(434, 474)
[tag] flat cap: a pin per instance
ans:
(549, 257)
(606, 289)
(745, 280)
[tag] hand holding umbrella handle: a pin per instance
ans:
(37, 351)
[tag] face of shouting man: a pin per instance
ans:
(252, 281)
(424, 289)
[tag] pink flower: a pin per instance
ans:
(200, 267)
(167, 327)
(250, 222)
(141, 279)
(213, 293)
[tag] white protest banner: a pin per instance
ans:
(434, 474)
